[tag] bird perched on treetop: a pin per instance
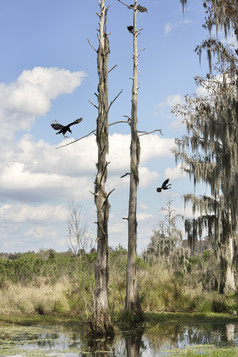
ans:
(165, 186)
(141, 8)
(130, 28)
(64, 128)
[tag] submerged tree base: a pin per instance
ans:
(128, 319)
(100, 330)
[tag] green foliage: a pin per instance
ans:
(161, 287)
(219, 306)
(128, 319)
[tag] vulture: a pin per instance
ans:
(139, 8)
(130, 28)
(165, 186)
(64, 128)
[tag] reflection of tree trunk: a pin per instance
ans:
(230, 332)
(99, 348)
(133, 343)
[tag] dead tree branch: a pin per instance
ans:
(149, 132)
(91, 45)
(93, 104)
(123, 3)
(128, 173)
(112, 68)
(106, 199)
(116, 122)
(114, 100)
(104, 170)
(91, 132)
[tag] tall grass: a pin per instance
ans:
(40, 297)
(69, 286)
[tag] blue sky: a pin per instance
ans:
(48, 72)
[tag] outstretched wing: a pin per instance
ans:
(75, 122)
(164, 184)
(55, 125)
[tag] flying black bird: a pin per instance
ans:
(130, 28)
(64, 128)
(165, 186)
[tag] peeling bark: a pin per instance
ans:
(101, 325)
(132, 296)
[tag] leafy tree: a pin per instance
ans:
(165, 243)
(209, 150)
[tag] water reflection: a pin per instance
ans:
(158, 341)
(134, 344)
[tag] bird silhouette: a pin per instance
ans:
(165, 186)
(141, 8)
(64, 128)
(130, 28)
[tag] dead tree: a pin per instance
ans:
(100, 323)
(132, 296)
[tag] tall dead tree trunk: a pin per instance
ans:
(100, 323)
(132, 296)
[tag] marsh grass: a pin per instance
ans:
(65, 285)
(162, 291)
(40, 297)
(212, 352)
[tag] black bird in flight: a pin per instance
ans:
(165, 186)
(130, 28)
(64, 128)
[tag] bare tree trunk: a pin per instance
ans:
(132, 296)
(101, 324)
(227, 279)
(230, 278)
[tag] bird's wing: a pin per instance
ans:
(57, 126)
(165, 183)
(75, 122)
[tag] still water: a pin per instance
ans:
(160, 340)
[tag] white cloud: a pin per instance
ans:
(144, 216)
(171, 101)
(171, 26)
(31, 95)
(176, 173)
(34, 171)
(168, 27)
(52, 81)
(164, 109)
(23, 213)
(147, 176)
(153, 146)
(143, 206)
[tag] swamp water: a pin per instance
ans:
(160, 340)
